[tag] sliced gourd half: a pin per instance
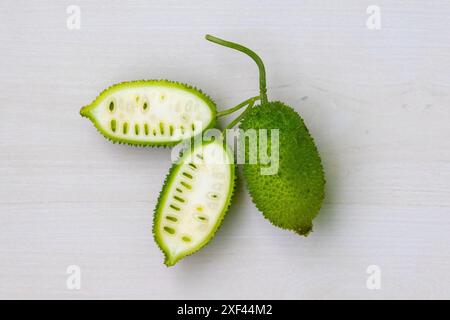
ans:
(194, 199)
(151, 112)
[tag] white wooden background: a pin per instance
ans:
(376, 101)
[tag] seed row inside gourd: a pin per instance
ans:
(146, 128)
(179, 107)
(178, 204)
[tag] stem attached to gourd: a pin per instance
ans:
(239, 118)
(236, 108)
(251, 54)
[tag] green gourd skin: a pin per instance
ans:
(151, 112)
(291, 198)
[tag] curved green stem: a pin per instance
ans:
(236, 108)
(239, 118)
(251, 54)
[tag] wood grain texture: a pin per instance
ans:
(377, 103)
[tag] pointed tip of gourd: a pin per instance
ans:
(304, 231)
(170, 261)
(84, 112)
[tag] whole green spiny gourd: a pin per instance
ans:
(292, 196)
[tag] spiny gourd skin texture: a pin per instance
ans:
(291, 198)
(137, 133)
(193, 198)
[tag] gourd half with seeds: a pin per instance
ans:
(194, 199)
(151, 112)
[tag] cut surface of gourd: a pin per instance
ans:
(194, 199)
(151, 112)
